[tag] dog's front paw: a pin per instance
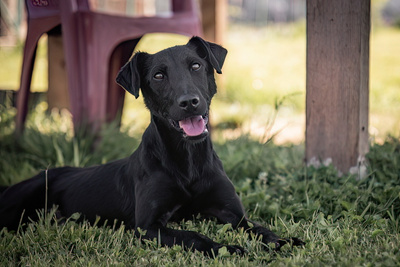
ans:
(293, 241)
(297, 242)
(236, 249)
(228, 249)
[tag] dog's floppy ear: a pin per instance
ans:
(128, 77)
(214, 53)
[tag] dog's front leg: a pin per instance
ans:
(268, 236)
(157, 199)
(224, 204)
(188, 239)
(234, 215)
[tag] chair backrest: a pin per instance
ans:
(177, 6)
(184, 6)
(48, 8)
(42, 8)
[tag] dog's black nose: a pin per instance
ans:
(188, 102)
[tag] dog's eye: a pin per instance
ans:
(196, 66)
(158, 76)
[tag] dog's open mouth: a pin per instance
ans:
(192, 126)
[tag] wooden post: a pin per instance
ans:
(337, 82)
(214, 19)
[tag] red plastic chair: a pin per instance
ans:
(96, 45)
(43, 16)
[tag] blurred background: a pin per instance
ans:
(262, 89)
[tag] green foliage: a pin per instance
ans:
(345, 221)
(48, 142)
(271, 180)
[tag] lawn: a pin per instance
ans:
(345, 221)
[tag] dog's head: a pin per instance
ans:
(177, 84)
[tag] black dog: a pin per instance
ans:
(174, 173)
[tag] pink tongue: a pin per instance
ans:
(193, 126)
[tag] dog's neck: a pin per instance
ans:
(189, 158)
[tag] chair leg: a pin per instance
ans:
(26, 78)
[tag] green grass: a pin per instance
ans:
(345, 221)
